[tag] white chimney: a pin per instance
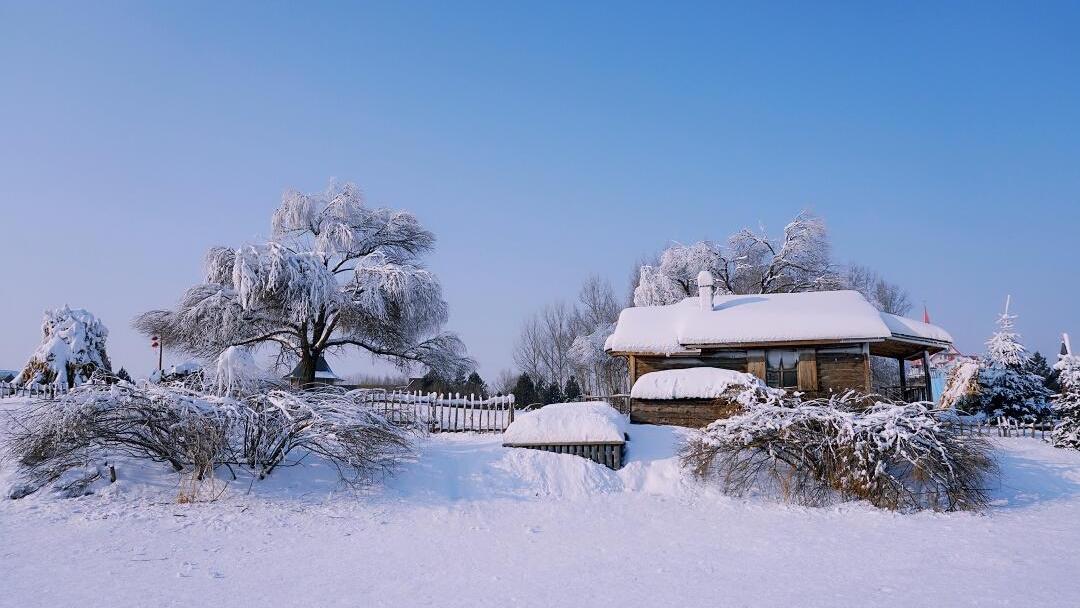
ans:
(705, 290)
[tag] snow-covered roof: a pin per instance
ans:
(692, 383)
(322, 370)
(594, 421)
(826, 316)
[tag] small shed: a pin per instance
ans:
(593, 430)
(323, 373)
(691, 397)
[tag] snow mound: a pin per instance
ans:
(567, 422)
(692, 383)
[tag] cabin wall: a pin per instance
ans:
(642, 365)
(822, 370)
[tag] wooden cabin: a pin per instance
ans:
(813, 342)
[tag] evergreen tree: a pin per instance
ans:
(124, 375)
(572, 392)
(550, 392)
(1067, 404)
(1003, 349)
(475, 385)
(1038, 365)
(1006, 387)
(525, 392)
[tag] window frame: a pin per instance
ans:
(782, 377)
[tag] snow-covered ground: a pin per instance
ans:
(470, 523)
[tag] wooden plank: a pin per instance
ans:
(807, 370)
(755, 363)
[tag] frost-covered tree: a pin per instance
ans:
(72, 349)
(1067, 404)
(750, 262)
(335, 274)
(124, 375)
(1004, 386)
(1003, 349)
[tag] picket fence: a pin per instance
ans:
(1008, 427)
(441, 413)
(43, 391)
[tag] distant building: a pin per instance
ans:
(323, 373)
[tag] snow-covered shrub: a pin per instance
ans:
(94, 421)
(72, 349)
(328, 422)
(196, 432)
(1066, 432)
(900, 456)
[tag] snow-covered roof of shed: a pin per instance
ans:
(762, 318)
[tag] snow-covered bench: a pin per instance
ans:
(592, 430)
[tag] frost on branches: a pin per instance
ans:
(1003, 349)
(71, 350)
(198, 433)
(1067, 405)
(751, 262)
(900, 456)
(335, 274)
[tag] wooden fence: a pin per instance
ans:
(1007, 427)
(439, 413)
(44, 391)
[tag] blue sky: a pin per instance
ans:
(541, 144)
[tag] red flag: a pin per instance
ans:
(925, 314)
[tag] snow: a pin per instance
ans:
(903, 326)
(471, 523)
(691, 383)
(567, 423)
(752, 319)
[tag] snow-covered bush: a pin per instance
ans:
(196, 432)
(94, 421)
(900, 456)
(358, 441)
(72, 349)
(1067, 405)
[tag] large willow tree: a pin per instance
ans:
(335, 274)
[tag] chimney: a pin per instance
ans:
(705, 290)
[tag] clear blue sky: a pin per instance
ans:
(541, 144)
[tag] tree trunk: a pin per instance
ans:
(305, 376)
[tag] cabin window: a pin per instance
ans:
(782, 368)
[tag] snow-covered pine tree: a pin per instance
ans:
(1067, 404)
(1003, 349)
(124, 375)
(1006, 388)
(335, 274)
(72, 349)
